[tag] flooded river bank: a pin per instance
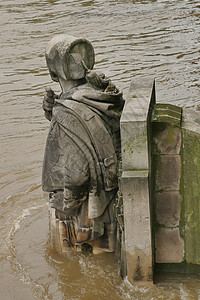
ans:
(131, 38)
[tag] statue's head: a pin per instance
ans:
(65, 56)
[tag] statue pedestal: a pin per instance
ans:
(135, 181)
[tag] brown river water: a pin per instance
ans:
(131, 38)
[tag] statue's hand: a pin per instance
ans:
(48, 102)
(97, 80)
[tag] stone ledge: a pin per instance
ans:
(133, 124)
(167, 113)
(138, 100)
(135, 173)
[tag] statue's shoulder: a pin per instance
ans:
(75, 109)
(77, 93)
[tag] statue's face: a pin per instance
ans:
(64, 56)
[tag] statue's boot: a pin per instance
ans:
(63, 231)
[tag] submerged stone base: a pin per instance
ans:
(63, 236)
(59, 235)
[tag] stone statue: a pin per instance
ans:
(80, 169)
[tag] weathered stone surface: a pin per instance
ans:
(191, 120)
(176, 192)
(168, 208)
(169, 246)
(137, 225)
(139, 265)
(135, 182)
(166, 138)
(134, 145)
(168, 172)
(134, 125)
(64, 55)
(191, 187)
(139, 100)
(167, 113)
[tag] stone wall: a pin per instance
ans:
(160, 184)
(176, 191)
(166, 183)
(191, 187)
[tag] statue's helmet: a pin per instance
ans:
(67, 55)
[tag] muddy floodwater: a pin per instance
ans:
(131, 39)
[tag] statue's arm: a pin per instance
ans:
(48, 103)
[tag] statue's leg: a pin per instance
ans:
(63, 231)
(54, 231)
(105, 243)
(79, 234)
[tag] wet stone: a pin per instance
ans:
(137, 225)
(134, 145)
(168, 172)
(166, 138)
(191, 169)
(168, 208)
(169, 246)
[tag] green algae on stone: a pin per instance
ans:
(191, 173)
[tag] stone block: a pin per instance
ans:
(140, 100)
(166, 138)
(168, 208)
(133, 124)
(169, 246)
(137, 225)
(139, 265)
(167, 172)
(134, 145)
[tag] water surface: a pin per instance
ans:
(131, 39)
